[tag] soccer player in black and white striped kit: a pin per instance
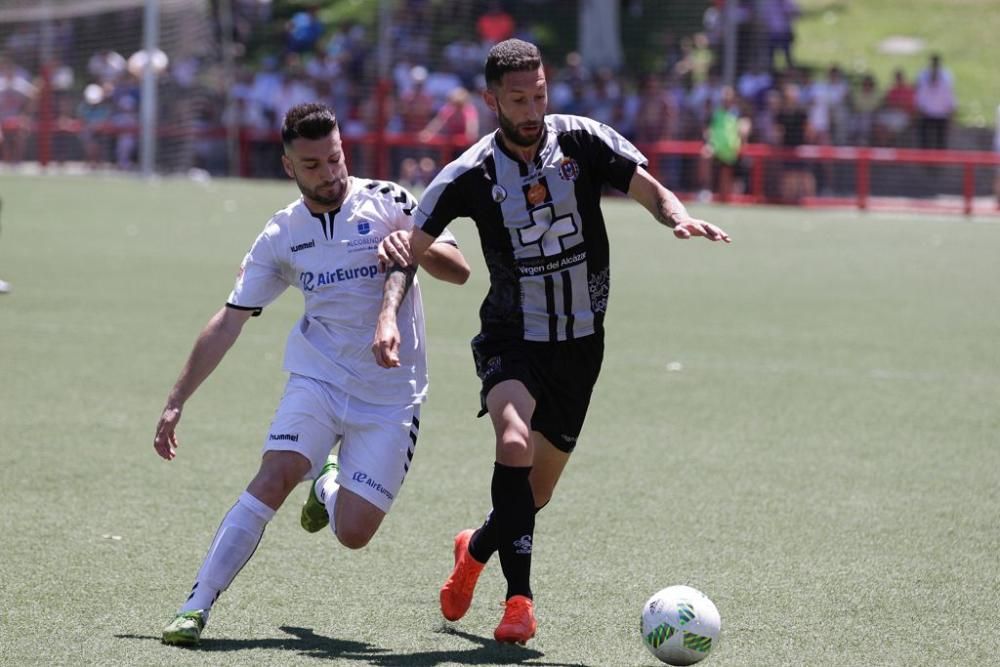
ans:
(533, 189)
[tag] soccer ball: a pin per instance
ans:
(680, 625)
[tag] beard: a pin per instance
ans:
(513, 131)
(327, 194)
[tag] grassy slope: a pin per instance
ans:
(963, 31)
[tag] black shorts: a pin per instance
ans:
(559, 376)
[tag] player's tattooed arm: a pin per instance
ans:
(398, 280)
(385, 347)
(668, 209)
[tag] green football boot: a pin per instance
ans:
(185, 629)
(314, 517)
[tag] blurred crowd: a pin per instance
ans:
(436, 91)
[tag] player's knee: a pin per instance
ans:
(514, 450)
(354, 536)
(542, 498)
(280, 473)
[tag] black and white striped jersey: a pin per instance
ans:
(540, 225)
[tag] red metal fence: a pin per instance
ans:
(757, 159)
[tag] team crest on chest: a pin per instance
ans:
(364, 227)
(569, 169)
(498, 193)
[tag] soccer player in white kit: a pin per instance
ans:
(356, 358)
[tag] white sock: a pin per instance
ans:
(234, 544)
(327, 489)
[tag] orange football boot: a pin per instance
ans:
(518, 624)
(456, 594)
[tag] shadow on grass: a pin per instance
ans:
(306, 642)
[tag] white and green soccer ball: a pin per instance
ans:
(680, 625)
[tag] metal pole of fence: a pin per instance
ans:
(729, 19)
(382, 88)
(229, 75)
(968, 187)
(147, 108)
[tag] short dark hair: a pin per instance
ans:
(511, 55)
(309, 121)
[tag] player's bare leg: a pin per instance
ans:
(352, 518)
(356, 519)
(548, 465)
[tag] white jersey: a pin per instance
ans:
(332, 258)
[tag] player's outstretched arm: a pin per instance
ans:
(407, 248)
(212, 344)
(668, 209)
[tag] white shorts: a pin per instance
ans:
(376, 441)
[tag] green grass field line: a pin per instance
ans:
(802, 424)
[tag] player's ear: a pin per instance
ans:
(287, 164)
(490, 98)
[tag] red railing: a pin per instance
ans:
(757, 157)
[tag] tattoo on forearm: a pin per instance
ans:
(397, 283)
(669, 209)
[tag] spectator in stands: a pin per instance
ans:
(416, 106)
(605, 98)
(458, 119)
(935, 103)
(94, 112)
(465, 58)
(17, 96)
(753, 85)
(415, 110)
(778, 18)
(4, 285)
(303, 30)
(996, 148)
(866, 105)
(657, 116)
(495, 25)
(896, 115)
(125, 120)
(417, 173)
(296, 88)
(829, 118)
(724, 134)
(106, 66)
(766, 130)
(696, 58)
(487, 118)
(797, 180)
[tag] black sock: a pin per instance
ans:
(514, 514)
(484, 542)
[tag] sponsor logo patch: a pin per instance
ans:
(311, 281)
(303, 246)
(363, 478)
